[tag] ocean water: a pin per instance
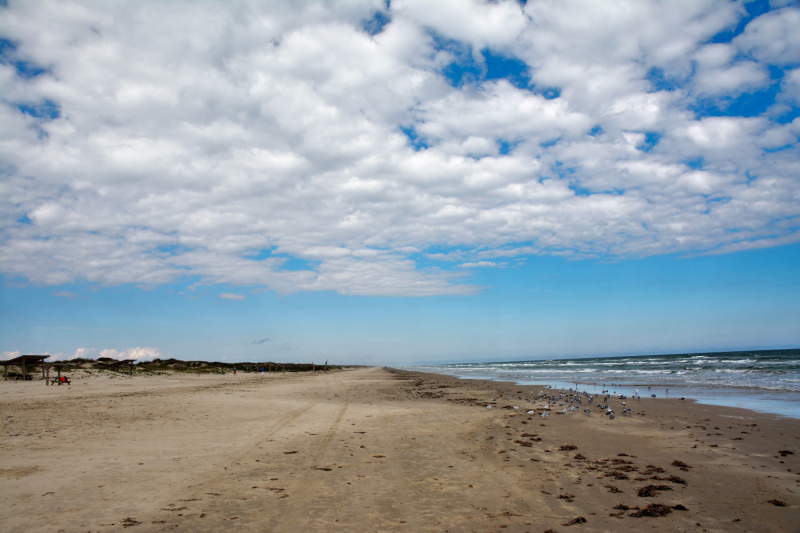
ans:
(764, 380)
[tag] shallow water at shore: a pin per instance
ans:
(765, 381)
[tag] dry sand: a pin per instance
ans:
(376, 450)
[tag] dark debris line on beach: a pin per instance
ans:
(619, 468)
(501, 399)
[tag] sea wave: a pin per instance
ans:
(765, 370)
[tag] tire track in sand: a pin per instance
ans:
(335, 426)
(250, 512)
(292, 512)
(194, 490)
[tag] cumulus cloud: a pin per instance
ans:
(5, 356)
(80, 353)
(138, 354)
(773, 37)
(331, 146)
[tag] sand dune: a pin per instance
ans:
(376, 450)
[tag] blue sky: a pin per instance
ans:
(398, 182)
(549, 307)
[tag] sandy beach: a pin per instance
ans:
(373, 449)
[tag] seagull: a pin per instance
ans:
(516, 407)
(544, 415)
(612, 416)
(530, 412)
(488, 406)
(565, 410)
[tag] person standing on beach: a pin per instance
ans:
(234, 371)
(262, 370)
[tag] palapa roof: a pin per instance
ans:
(26, 360)
(119, 363)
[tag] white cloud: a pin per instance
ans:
(5, 356)
(83, 353)
(773, 37)
(230, 296)
(80, 353)
(138, 354)
(791, 86)
(263, 144)
(481, 264)
(718, 73)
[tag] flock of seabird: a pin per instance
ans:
(572, 401)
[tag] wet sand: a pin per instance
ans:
(377, 450)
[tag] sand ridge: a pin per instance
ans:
(380, 450)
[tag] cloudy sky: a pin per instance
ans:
(398, 181)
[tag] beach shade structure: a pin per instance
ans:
(119, 365)
(24, 361)
(58, 366)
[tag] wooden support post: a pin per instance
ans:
(24, 372)
(59, 374)
(47, 377)
(5, 371)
